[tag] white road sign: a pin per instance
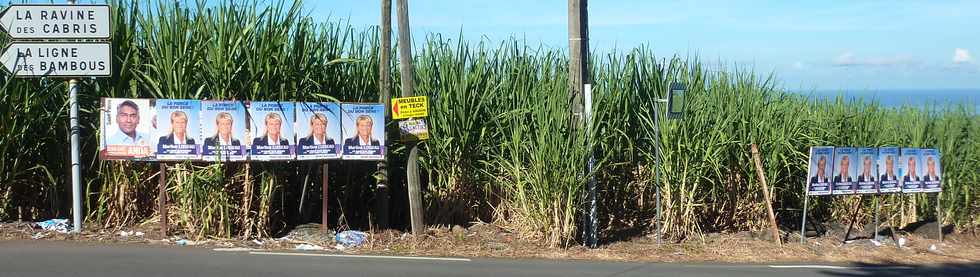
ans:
(34, 21)
(63, 59)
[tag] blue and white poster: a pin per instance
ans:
(178, 129)
(845, 167)
(318, 130)
(272, 130)
(127, 128)
(888, 167)
(867, 170)
(910, 168)
(223, 128)
(932, 180)
(821, 160)
(363, 126)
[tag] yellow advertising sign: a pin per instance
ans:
(409, 107)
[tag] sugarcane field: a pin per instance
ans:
(489, 138)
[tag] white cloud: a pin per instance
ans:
(799, 66)
(961, 56)
(848, 59)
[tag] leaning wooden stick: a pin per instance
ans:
(765, 194)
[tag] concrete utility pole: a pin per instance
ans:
(384, 82)
(578, 74)
(408, 89)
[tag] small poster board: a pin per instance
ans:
(363, 133)
(867, 162)
(845, 167)
(223, 128)
(932, 180)
(127, 128)
(821, 160)
(272, 131)
(318, 130)
(887, 165)
(910, 167)
(179, 129)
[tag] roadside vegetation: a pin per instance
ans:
(504, 147)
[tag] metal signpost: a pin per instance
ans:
(66, 41)
(675, 110)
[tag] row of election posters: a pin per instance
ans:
(167, 129)
(847, 170)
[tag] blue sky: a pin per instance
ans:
(809, 45)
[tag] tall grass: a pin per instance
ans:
(503, 146)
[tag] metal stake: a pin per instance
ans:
(326, 198)
(162, 200)
(76, 171)
(806, 202)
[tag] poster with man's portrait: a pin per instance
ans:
(819, 173)
(127, 125)
(223, 129)
(932, 180)
(272, 131)
(888, 170)
(178, 135)
(910, 168)
(867, 170)
(363, 125)
(845, 167)
(318, 130)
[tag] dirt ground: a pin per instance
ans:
(485, 240)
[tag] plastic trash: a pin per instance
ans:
(876, 243)
(57, 225)
(933, 247)
(182, 242)
(308, 247)
(351, 238)
(901, 242)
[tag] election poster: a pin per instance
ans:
(272, 130)
(318, 130)
(127, 126)
(178, 134)
(223, 128)
(845, 167)
(887, 165)
(867, 170)
(932, 180)
(821, 159)
(910, 167)
(363, 131)
(413, 130)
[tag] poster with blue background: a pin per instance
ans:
(845, 170)
(271, 125)
(910, 168)
(178, 129)
(318, 130)
(363, 134)
(932, 174)
(867, 170)
(888, 169)
(223, 129)
(821, 160)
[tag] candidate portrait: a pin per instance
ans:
(128, 119)
(223, 123)
(844, 176)
(911, 175)
(821, 175)
(273, 134)
(318, 132)
(931, 173)
(866, 174)
(363, 138)
(889, 174)
(178, 130)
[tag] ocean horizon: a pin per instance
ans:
(903, 97)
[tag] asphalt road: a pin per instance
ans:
(57, 258)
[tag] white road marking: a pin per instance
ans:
(361, 256)
(810, 266)
(233, 249)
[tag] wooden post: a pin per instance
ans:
(326, 198)
(408, 89)
(765, 194)
(162, 201)
(854, 215)
(384, 72)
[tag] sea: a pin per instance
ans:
(935, 98)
